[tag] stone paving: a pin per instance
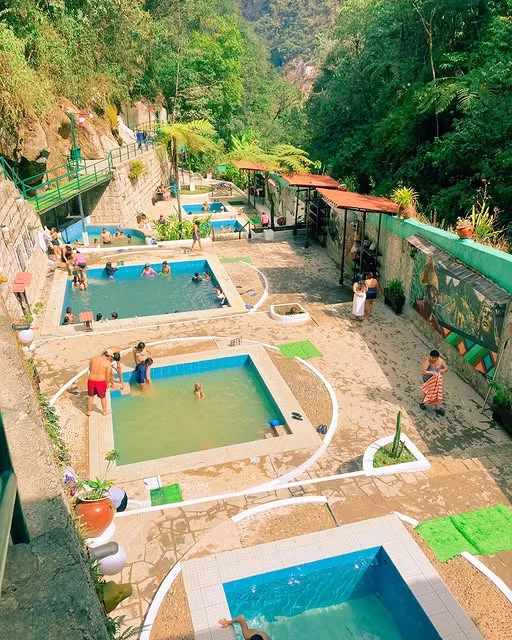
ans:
(374, 370)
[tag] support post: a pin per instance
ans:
(75, 155)
(296, 212)
(362, 244)
(342, 268)
(378, 242)
(306, 215)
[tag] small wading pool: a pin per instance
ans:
(132, 296)
(213, 207)
(226, 226)
(94, 232)
(168, 419)
(356, 596)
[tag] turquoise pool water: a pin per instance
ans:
(132, 296)
(168, 419)
(225, 226)
(356, 596)
(213, 207)
(75, 233)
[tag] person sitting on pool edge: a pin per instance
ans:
(110, 270)
(199, 391)
(197, 277)
(220, 295)
(142, 373)
(106, 236)
(68, 316)
(248, 634)
(166, 269)
(148, 271)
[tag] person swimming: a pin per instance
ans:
(198, 390)
(197, 277)
(68, 316)
(166, 269)
(99, 317)
(114, 315)
(110, 270)
(206, 276)
(220, 295)
(128, 238)
(142, 372)
(118, 234)
(148, 271)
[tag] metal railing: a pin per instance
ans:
(12, 520)
(54, 186)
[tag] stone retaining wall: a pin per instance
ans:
(122, 199)
(19, 247)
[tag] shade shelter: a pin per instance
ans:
(357, 202)
(252, 168)
(308, 183)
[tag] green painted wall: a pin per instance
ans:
(495, 265)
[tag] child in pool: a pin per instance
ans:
(148, 272)
(199, 391)
(142, 373)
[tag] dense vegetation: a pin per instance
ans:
(199, 57)
(419, 91)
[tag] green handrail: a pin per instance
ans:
(12, 520)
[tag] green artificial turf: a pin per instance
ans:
(304, 350)
(166, 495)
(484, 531)
(228, 260)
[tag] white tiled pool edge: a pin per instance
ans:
(204, 577)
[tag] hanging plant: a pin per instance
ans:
(137, 169)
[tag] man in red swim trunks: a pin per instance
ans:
(100, 376)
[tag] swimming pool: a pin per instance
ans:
(354, 596)
(74, 232)
(213, 207)
(131, 296)
(168, 420)
(226, 226)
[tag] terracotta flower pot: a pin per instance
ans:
(465, 232)
(95, 515)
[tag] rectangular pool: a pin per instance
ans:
(74, 232)
(169, 420)
(226, 226)
(355, 596)
(131, 296)
(213, 207)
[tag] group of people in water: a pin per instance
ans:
(107, 238)
(105, 371)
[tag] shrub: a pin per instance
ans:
(137, 169)
(174, 229)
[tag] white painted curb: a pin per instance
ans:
(265, 286)
(420, 464)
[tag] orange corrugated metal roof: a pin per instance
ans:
(309, 180)
(249, 165)
(350, 200)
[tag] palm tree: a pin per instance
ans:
(196, 136)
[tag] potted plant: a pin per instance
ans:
(502, 406)
(394, 296)
(95, 507)
(406, 199)
(464, 228)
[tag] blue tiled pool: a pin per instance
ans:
(168, 420)
(213, 207)
(75, 233)
(131, 296)
(356, 596)
(226, 226)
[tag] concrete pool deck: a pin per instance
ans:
(301, 434)
(204, 577)
(52, 318)
(373, 368)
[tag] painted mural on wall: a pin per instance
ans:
(465, 318)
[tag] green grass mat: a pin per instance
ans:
(484, 531)
(228, 260)
(255, 220)
(166, 495)
(304, 350)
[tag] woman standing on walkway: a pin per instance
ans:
(432, 371)
(196, 236)
(372, 290)
(359, 300)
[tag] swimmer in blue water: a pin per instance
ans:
(148, 272)
(166, 269)
(197, 277)
(110, 270)
(199, 391)
(142, 373)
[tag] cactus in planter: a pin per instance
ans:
(398, 433)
